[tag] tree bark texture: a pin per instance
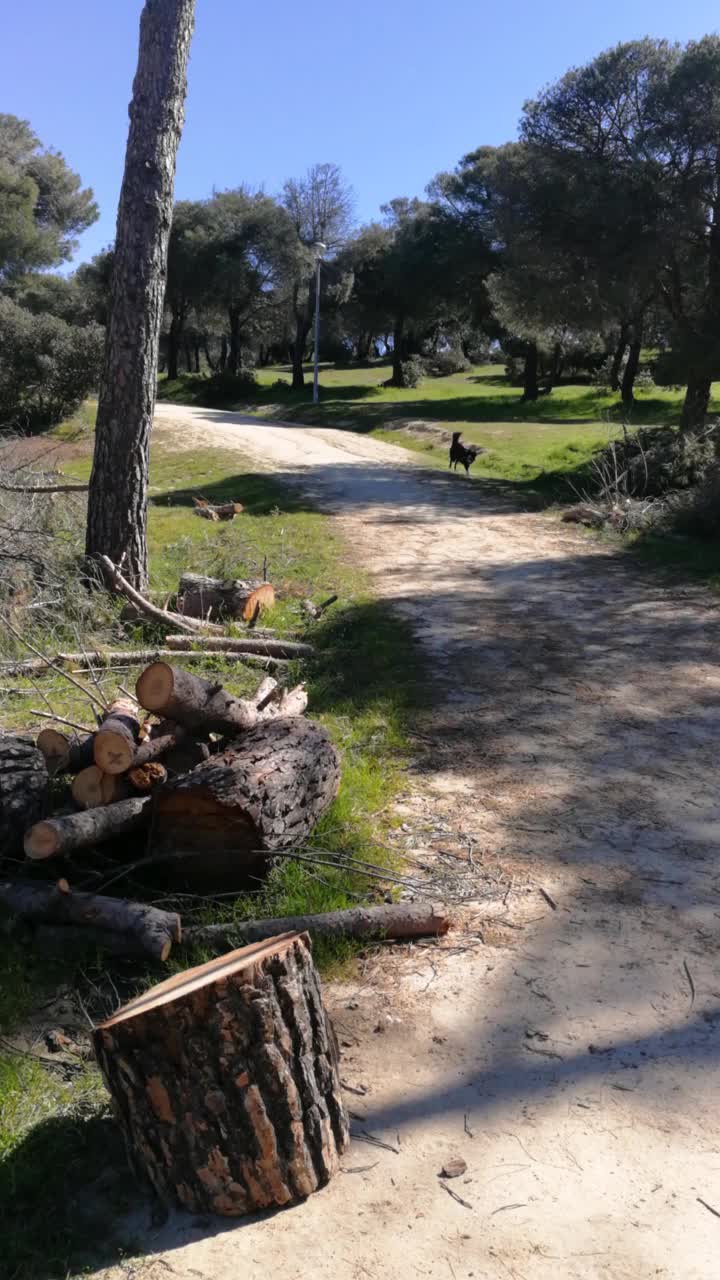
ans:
(23, 790)
(202, 597)
(264, 793)
(617, 359)
(695, 404)
(117, 500)
(83, 830)
(391, 920)
(225, 1082)
(632, 364)
(152, 930)
(530, 374)
(201, 705)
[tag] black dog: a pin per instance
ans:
(461, 453)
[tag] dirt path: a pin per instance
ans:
(565, 1045)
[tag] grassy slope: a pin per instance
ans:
(54, 1133)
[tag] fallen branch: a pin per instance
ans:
(316, 611)
(204, 705)
(124, 658)
(82, 830)
(151, 930)
(396, 920)
(44, 488)
(125, 588)
(201, 597)
(217, 511)
(258, 646)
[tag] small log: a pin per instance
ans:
(265, 792)
(91, 788)
(82, 830)
(197, 704)
(202, 597)
(392, 920)
(150, 610)
(154, 931)
(145, 777)
(316, 611)
(65, 937)
(63, 754)
(225, 1081)
(23, 789)
(258, 646)
(217, 511)
(116, 740)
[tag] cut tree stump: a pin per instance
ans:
(201, 597)
(23, 790)
(82, 830)
(265, 792)
(149, 930)
(115, 742)
(225, 1082)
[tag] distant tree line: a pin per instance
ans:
(592, 238)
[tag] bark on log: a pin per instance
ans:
(202, 597)
(153, 931)
(91, 788)
(394, 920)
(23, 790)
(199, 705)
(257, 646)
(264, 793)
(225, 1082)
(115, 742)
(64, 937)
(81, 830)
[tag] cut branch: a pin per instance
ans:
(145, 606)
(202, 597)
(396, 920)
(116, 740)
(197, 704)
(258, 645)
(83, 830)
(153, 930)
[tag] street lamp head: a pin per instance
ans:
(319, 248)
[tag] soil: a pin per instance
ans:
(563, 1040)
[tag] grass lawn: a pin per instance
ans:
(56, 1140)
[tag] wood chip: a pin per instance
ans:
(453, 1168)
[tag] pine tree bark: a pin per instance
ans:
(618, 357)
(23, 790)
(225, 1082)
(631, 369)
(117, 498)
(695, 404)
(530, 375)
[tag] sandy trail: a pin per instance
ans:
(573, 747)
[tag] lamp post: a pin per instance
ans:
(319, 248)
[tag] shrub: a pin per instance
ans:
(697, 511)
(224, 387)
(443, 363)
(47, 367)
(412, 371)
(654, 461)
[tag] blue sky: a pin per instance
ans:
(392, 94)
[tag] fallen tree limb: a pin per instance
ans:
(153, 930)
(395, 920)
(258, 646)
(151, 610)
(81, 830)
(217, 511)
(123, 657)
(199, 704)
(43, 488)
(316, 611)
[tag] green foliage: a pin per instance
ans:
(441, 364)
(411, 373)
(47, 367)
(42, 205)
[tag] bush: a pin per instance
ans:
(654, 461)
(697, 512)
(412, 372)
(443, 363)
(222, 388)
(47, 367)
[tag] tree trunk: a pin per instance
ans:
(83, 830)
(225, 1081)
(631, 367)
(394, 920)
(695, 405)
(223, 353)
(196, 353)
(264, 793)
(188, 355)
(234, 352)
(23, 790)
(530, 375)
(117, 499)
(152, 930)
(618, 357)
(202, 597)
(174, 337)
(212, 364)
(398, 353)
(298, 352)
